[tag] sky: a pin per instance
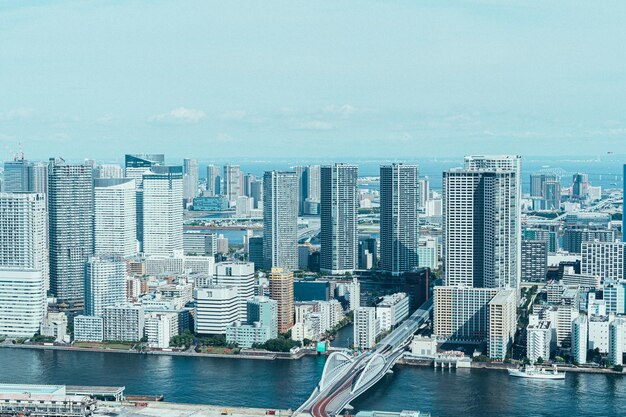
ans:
(325, 79)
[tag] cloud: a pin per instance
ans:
(105, 120)
(179, 115)
(344, 111)
(233, 115)
(224, 138)
(315, 125)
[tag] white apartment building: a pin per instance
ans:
(366, 327)
(22, 301)
(216, 307)
(105, 283)
(603, 259)
(124, 322)
(24, 232)
(580, 332)
(354, 290)
(598, 333)
(614, 293)
(428, 252)
(160, 328)
(88, 329)
(241, 276)
(538, 340)
(163, 210)
(115, 217)
(391, 310)
(179, 264)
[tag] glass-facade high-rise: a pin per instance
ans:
(280, 220)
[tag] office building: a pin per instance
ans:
(233, 182)
(105, 283)
(461, 313)
(428, 254)
(424, 191)
(392, 310)
(534, 260)
(71, 218)
(255, 251)
(417, 287)
(24, 232)
(88, 329)
(22, 301)
(579, 340)
(308, 184)
(241, 276)
(216, 203)
(545, 191)
(115, 220)
(216, 307)
(598, 333)
(281, 290)
(366, 328)
(623, 207)
(17, 176)
(311, 290)
(614, 296)
(482, 223)
(213, 181)
(368, 252)
(339, 203)
(538, 341)
(123, 322)
(502, 324)
(260, 326)
(190, 178)
(203, 244)
(280, 220)
(108, 171)
(575, 236)
(399, 224)
(603, 259)
(580, 184)
(162, 210)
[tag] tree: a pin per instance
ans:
(526, 361)
(618, 368)
(539, 360)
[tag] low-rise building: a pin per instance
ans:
(160, 328)
(598, 333)
(392, 310)
(124, 322)
(88, 329)
(261, 323)
(424, 346)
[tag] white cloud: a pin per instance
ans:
(106, 119)
(224, 138)
(315, 125)
(344, 111)
(179, 115)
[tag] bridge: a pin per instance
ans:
(346, 377)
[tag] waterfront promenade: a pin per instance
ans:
(166, 409)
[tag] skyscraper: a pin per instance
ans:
(115, 224)
(281, 290)
(135, 166)
(190, 178)
(38, 178)
(280, 220)
(482, 223)
(71, 211)
(339, 201)
(24, 232)
(399, 224)
(308, 188)
(624, 208)
(105, 283)
(17, 176)
(233, 182)
(163, 210)
(213, 180)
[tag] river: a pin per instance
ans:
(287, 383)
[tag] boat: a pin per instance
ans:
(529, 371)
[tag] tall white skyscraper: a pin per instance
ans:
(339, 204)
(280, 220)
(71, 211)
(482, 234)
(233, 182)
(163, 210)
(115, 230)
(190, 178)
(24, 232)
(105, 283)
(399, 223)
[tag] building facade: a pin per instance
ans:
(281, 290)
(115, 221)
(105, 283)
(280, 220)
(22, 301)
